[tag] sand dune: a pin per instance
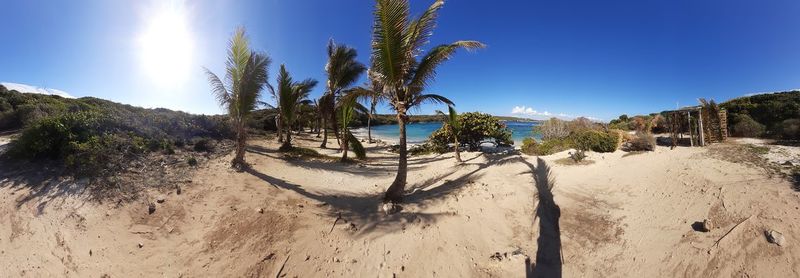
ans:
(621, 216)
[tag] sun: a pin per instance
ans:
(166, 45)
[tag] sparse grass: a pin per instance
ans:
(761, 150)
(310, 154)
(571, 162)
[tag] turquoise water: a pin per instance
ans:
(419, 132)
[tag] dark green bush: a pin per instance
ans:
(475, 128)
(746, 127)
(595, 140)
(192, 161)
(203, 145)
(790, 129)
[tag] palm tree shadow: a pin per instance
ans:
(548, 255)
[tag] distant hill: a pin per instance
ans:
(779, 113)
(93, 134)
(23, 88)
(391, 119)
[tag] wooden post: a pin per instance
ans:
(700, 126)
(689, 119)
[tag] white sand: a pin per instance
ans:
(620, 217)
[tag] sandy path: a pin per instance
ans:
(621, 217)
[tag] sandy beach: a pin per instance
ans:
(623, 215)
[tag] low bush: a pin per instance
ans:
(531, 147)
(745, 126)
(643, 141)
(790, 129)
(203, 145)
(596, 141)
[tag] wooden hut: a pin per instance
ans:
(701, 125)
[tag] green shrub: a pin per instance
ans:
(475, 127)
(595, 140)
(747, 127)
(192, 161)
(49, 137)
(546, 147)
(577, 156)
(790, 129)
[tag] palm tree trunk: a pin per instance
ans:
(279, 124)
(395, 191)
(324, 134)
(287, 144)
(369, 121)
(458, 154)
(336, 129)
(241, 139)
(345, 147)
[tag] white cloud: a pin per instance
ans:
(35, 90)
(529, 112)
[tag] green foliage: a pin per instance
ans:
(203, 145)
(770, 110)
(474, 128)
(595, 140)
(577, 156)
(192, 161)
(790, 129)
(531, 147)
(745, 126)
(91, 136)
(356, 146)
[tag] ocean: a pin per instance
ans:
(419, 132)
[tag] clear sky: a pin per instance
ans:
(589, 58)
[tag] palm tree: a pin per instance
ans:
(347, 110)
(291, 96)
(246, 74)
(375, 96)
(454, 126)
(343, 70)
(396, 42)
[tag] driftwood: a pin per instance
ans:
(282, 266)
(729, 231)
(338, 217)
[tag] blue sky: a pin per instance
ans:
(576, 58)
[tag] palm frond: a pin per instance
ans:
(389, 51)
(421, 29)
(429, 98)
(426, 70)
(356, 146)
(220, 91)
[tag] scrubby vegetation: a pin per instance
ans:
(778, 113)
(643, 141)
(579, 134)
(650, 123)
(474, 128)
(91, 136)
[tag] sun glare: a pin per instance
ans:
(166, 45)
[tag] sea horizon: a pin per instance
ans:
(417, 133)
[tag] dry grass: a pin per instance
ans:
(570, 162)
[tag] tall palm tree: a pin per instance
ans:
(454, 126)
(396, 42)
(246, 74)
(343, 70)
(291, 95)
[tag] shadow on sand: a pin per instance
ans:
(365, 208)
(548, 255)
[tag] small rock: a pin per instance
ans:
(300, 205)
(161, 199)
(141, 245)
(496, 256)
(707, 225)
(335, 259)
(775, 237)
(260, 210)
(788, 163)
(90, 252)
(178, 190)
(390, 208)
(151, 208)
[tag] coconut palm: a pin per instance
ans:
(343, 70)
(454, 126)
(246, 74)
(291, 96)
(396, 42)
(347, 110)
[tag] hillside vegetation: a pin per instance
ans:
(91, 136)
(775, 115)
